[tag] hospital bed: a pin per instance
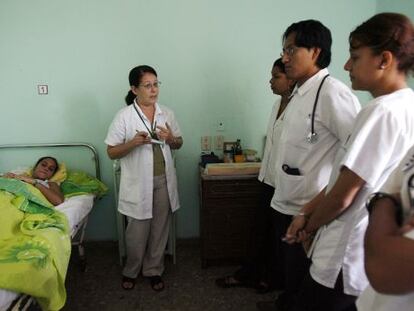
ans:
(76, 208)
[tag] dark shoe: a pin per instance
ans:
(157, 283)
(229, 281)
(266, 306)
(128, 283)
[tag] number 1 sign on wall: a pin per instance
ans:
(42, 89)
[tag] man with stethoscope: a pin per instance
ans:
(317, 122)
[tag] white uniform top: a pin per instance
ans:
(370, 299)
(383, 132)
(274, 129)
(136, 185)
(334, 117)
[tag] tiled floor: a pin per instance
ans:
(188, 287)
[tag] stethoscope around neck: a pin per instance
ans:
(313, 136)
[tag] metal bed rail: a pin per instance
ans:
(60, 145)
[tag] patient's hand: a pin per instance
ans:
(9, 175)
(25, 178)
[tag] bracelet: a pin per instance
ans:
(306, 216)
(376, 196)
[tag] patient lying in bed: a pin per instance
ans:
(40, 176)
(34, 235)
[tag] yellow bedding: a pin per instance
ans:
(34, 244)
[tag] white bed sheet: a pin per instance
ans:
(76, 209)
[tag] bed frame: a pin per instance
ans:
(25, 302)
(60, 145)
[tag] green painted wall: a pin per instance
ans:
(400, 6)
(213, 57)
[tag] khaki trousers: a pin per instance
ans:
(147, 239)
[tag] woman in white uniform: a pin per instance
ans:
(389, 248)
(381, 56)
(142, 136)
(261, 272)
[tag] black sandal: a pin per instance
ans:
(157, 283)
(126, 280)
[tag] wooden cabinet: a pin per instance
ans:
(227, 217)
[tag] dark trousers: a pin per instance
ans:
(316, 297)
(261, 266)
(293, 264)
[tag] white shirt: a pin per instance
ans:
(370, 299)
(274, 129)
(136, 185)
(334, 117)
(383, 132)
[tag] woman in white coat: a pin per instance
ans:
(389, 247)
(381, 57)
(142, 136)
(261, 271)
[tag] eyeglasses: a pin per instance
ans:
(289, 51)
(148, 86)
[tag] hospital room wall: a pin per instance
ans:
(213, 57)
(401, 6)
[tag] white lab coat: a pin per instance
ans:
(370, 299)
(383, 132)
(136, 185)
(335, 113)
(274, 130)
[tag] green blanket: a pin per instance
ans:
(34, 244)
(78, 183)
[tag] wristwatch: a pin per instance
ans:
(376, 196)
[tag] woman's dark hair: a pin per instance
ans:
(387, 32)
(135, 77)
(312, 34)
(48, 157)
(279, 64)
